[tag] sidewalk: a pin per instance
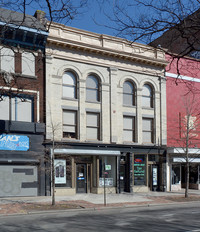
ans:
(26, 205)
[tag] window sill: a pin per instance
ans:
(129, 106)
(147, 108)
(70, 140)
(69, 99)
(26, 76)
(149, 144)
(93, 141)
(93, 102)
(130, 143)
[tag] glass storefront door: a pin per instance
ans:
(81, 178)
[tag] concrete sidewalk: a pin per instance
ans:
(25, 205)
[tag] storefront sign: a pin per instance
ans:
(155, 176)
(107, 167)
(139, 170)
(14, 142)
(60, 171)
(108, 182)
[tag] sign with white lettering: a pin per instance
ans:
(14, 142)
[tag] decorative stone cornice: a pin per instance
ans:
(72, 38)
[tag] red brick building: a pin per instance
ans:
(22, 99)
(183, 100)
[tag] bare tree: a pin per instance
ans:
(171, 25)
(56, 10)
(53, 128)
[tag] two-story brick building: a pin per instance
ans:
(106, 109)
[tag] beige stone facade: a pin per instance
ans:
(113, 61)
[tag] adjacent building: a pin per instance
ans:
(22, 104)
(105, 113)
(181, 44)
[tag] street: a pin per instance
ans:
(183, 217)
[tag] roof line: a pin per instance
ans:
(25, 28)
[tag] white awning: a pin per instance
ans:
(183, 160)
(87, 152)
(180, 150)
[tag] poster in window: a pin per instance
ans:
(139, 170)
(60, 171)
(155, 176)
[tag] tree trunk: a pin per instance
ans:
(187, 157)
(187, 180)
(53, 177)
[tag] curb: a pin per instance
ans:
(101, 208)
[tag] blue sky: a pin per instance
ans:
(86, 19)
(96, 12)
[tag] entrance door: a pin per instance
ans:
(122, 178)
(81, 178)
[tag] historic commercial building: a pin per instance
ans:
(22, 100)
(106, 112)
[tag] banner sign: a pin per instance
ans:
(14, 142)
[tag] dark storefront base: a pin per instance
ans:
(22, 173)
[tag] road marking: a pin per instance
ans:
(193, 230)
(168, 215)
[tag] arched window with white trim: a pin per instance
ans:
(69, 85)
(92, 89)
(128, 93)
(147, 96)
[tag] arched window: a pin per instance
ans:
(147, 96)
(92, 89)
(69, 85)
(128, 94)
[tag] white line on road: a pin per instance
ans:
(193, 230)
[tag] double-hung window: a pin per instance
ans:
(147, 130)
(18, 108)
(28, 64)
(7, 60)
(70, 124)
(93, 126)
(129, 129)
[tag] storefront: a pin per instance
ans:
(176, 171)
(148, 173)
(85, 171)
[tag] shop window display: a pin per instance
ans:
(107, 165)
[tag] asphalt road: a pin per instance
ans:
(163, 218)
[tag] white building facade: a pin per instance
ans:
(106, 108)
